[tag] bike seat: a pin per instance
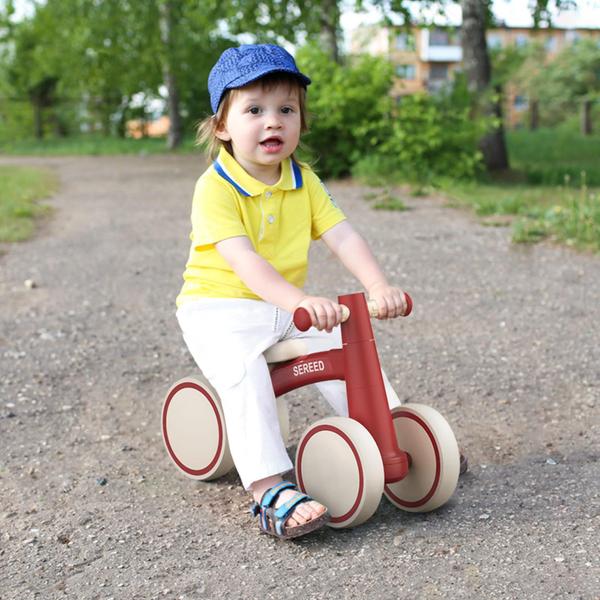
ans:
(286, 350)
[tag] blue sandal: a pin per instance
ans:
(272, 520)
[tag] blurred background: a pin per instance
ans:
(417, 91)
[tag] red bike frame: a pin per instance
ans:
(356, 363)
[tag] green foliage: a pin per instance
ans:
(429, 136)
(20, 189)
(559, 83)
(350, 106)
(77, 64)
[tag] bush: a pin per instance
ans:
(435, 135)
(349, 106)
(429, 136)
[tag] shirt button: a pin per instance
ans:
(268, 194)
(271, 219)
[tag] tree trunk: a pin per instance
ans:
(330, 28)
(476, 62)
(169, 76)
(534, 115)
(38, 126)
(586, 117)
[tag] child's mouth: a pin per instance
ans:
(272, 144)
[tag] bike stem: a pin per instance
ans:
(367, 399)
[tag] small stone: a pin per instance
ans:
(101, 481)
(551, 461)
(30, 284)
(484, 517)
(559, 559)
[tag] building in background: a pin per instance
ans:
(424, 59)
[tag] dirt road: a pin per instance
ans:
(504, 341)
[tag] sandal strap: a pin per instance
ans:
(279, 516)
(271, 495)
(284, 511)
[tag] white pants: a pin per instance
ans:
(227, 338)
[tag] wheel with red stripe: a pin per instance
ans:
(434, 459)
(193, 430)
(338, 463)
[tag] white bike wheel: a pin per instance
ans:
(435, 459)
(193, 430)
(338, 464)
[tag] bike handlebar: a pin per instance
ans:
(303, 322)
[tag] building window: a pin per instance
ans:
(494, 41)
(572, 36)
(444, 37)
(439, 37)
(550, 43)
(406, 71)
(438, 72)
(405, 40)
(521, 40)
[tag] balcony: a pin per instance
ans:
(439, 48)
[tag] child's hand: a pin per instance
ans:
(324, 313)
(391, 300)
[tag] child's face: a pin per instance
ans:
(263, 126)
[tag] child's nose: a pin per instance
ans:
(273, 121)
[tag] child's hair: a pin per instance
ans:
(207, 128)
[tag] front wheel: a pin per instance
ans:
(435, 459)
(338, 463)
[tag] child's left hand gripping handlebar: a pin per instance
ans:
(303, 322)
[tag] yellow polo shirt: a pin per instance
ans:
(280, 220)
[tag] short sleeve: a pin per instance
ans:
(215, 214)
(325, 212)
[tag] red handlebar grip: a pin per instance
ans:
(302, 319)
(409, 305)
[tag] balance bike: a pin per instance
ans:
(409, 454)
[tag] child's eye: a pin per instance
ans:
(254, 110)
(287, 110)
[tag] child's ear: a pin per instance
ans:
(222, 133)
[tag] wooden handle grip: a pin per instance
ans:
(303, 321)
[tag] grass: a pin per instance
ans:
(384, 200)
(547, 156)
(552, 191)
(91, 144)
(21, 189)
(566, 214)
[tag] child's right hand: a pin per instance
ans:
(324, 313)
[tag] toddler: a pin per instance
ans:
(254, 213)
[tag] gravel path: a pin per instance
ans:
(504, 341)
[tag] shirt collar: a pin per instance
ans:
(231, 171)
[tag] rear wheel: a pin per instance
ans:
(193, 430)
(433, 474)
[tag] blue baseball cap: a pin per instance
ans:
(240, 66)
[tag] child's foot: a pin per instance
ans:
(303, 512)
(284, 511)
